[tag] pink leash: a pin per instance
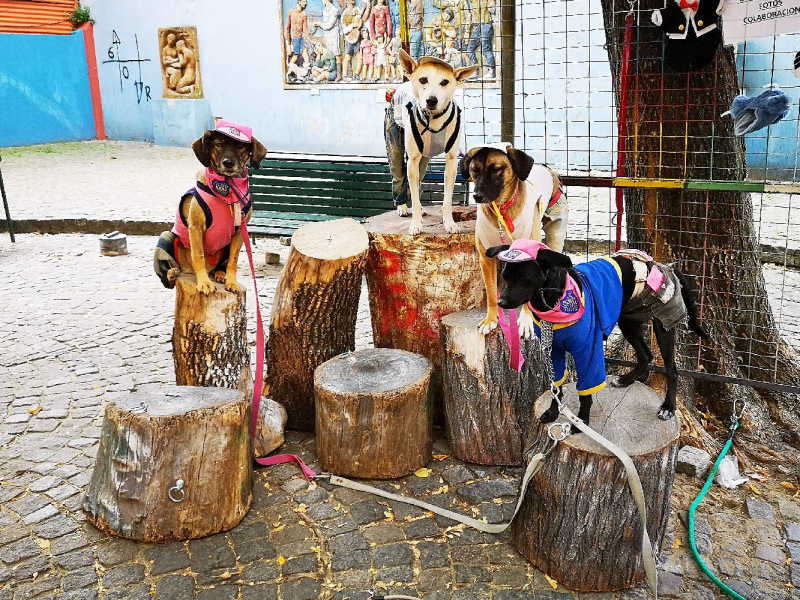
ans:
(308, 473)
(622, 117)
(510, 330)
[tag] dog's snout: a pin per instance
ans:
(432, 101)
(228, 163)
(479, 198)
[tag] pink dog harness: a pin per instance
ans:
(223, 200)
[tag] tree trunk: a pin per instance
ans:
(579, 522)
(314, 312)
(676, 131)
(209, 339)
(415, 280)
(488, 406)
(152, 439)
(374, 413)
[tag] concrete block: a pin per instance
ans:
(693, 461)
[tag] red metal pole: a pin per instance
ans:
(94, 81)
(622, 117)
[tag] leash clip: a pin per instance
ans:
(322, 477)
(736, 416)
(564, 431)
(554, 390)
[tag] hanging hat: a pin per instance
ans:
(241, 133)
(752, 114)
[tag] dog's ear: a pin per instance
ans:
(464, 167)
(202, 148)
(409, 64)
(550, 258)
(495, 250)
(464, 73)
(520, 162)
(257, 153)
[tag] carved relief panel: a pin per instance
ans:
(180, 62)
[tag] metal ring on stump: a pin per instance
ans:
(374, 413)
(579, 522)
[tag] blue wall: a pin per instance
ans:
(44, 89)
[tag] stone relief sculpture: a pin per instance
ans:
(180, 67)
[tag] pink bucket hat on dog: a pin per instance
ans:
(241, 133)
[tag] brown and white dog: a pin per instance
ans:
(424, 108)
(527, 197)
(206, 238)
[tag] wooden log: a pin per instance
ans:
(488, 406)
(373, 413)
(414, 281)
(579, 522)
(314, 312)
(150, 442)
(209, 339)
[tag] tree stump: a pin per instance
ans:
(374, 413)
(152, 441)
(209, 339)
(488, 406)
(579, 522)
(314, 312)
(415, 280)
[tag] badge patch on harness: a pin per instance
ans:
(570, 304)
(221, 187)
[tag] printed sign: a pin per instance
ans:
(750, 19)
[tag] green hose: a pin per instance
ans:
(693, 508)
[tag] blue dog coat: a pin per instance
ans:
(602, 298)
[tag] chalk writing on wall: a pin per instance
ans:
(123, 64)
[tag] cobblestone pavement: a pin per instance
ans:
(80, 330)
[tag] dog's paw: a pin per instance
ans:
(665, 414)
(451, 227)
(402, 210)
(416, 226)
(173, 274)
(525, 324)
(233, 286)
(487, 325)
(205, 287)
(219, 276)
(617, 382)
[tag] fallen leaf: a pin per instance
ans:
(754, 488)
(440, 456)
(225, 575)
(677, 543)
(553, 583)
(388, 514)
(788, 485)
(423, 472)
(441, 490)
(281, 560)
(35, 410)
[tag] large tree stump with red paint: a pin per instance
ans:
(578, 522)
(488, 406)
(314, 312)
(416, 280)
(374, 414)
(174, 463)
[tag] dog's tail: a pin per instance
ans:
(688, 300)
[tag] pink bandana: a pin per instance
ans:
(228, 189)
(568, 309)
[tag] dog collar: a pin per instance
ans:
(426, 124)
(230, 190)
(569, 307)
(503, 210)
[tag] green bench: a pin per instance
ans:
(290, 190)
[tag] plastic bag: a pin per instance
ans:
(728, 473)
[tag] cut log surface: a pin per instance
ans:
(488, 406)
(314, 312)
(374, 413)
(415, 280)
(579, 522)
(152, 439)
(209, 339)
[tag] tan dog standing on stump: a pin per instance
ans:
(425, 119)
(517, 199)
(206, 238)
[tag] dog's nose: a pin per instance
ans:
(432, 101)
(228, 163)
(479, 198)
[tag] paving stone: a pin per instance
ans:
(760, 510)
(291, 534)
(511, 595)
(262, 591)
(19, 550)
(770, 553)
(55, 527)
(219, 592)
(669, 584)
(467, 574)
(344, 561)
(299, 548)
(740, 587)
(326, 510)
(121, 576)
(172, 557)
(730, 567)
(80, 578)
(5, 574)
(27, 505)
(12, 533)
(74, 560)
(80, 595)
(703, 543)
(304, 589)
(25, 570)
(795, 575)
(348, 542)
(255, 549)
(789, 509)
(481, 491)
(421, 529)
(469, 555)
(404, 512)
(359, 580)
(457, 474)
(392, 555)
(794, 551)
(695, 462)
(367, 511)
(260, 571)
(312, 496)
(115, 552)
(793, 531)
(395, 575)
(435, 580)
(38, 587)
(338, 526)
(303, 564)
(210, 553)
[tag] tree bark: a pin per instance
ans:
(314, 312)
(209, 339)
(488, 406)
(414, 281)
(152, 439)
(676, 131)
(374, 413)
(579, 522)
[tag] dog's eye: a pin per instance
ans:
(445, 82)
(423, 80)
